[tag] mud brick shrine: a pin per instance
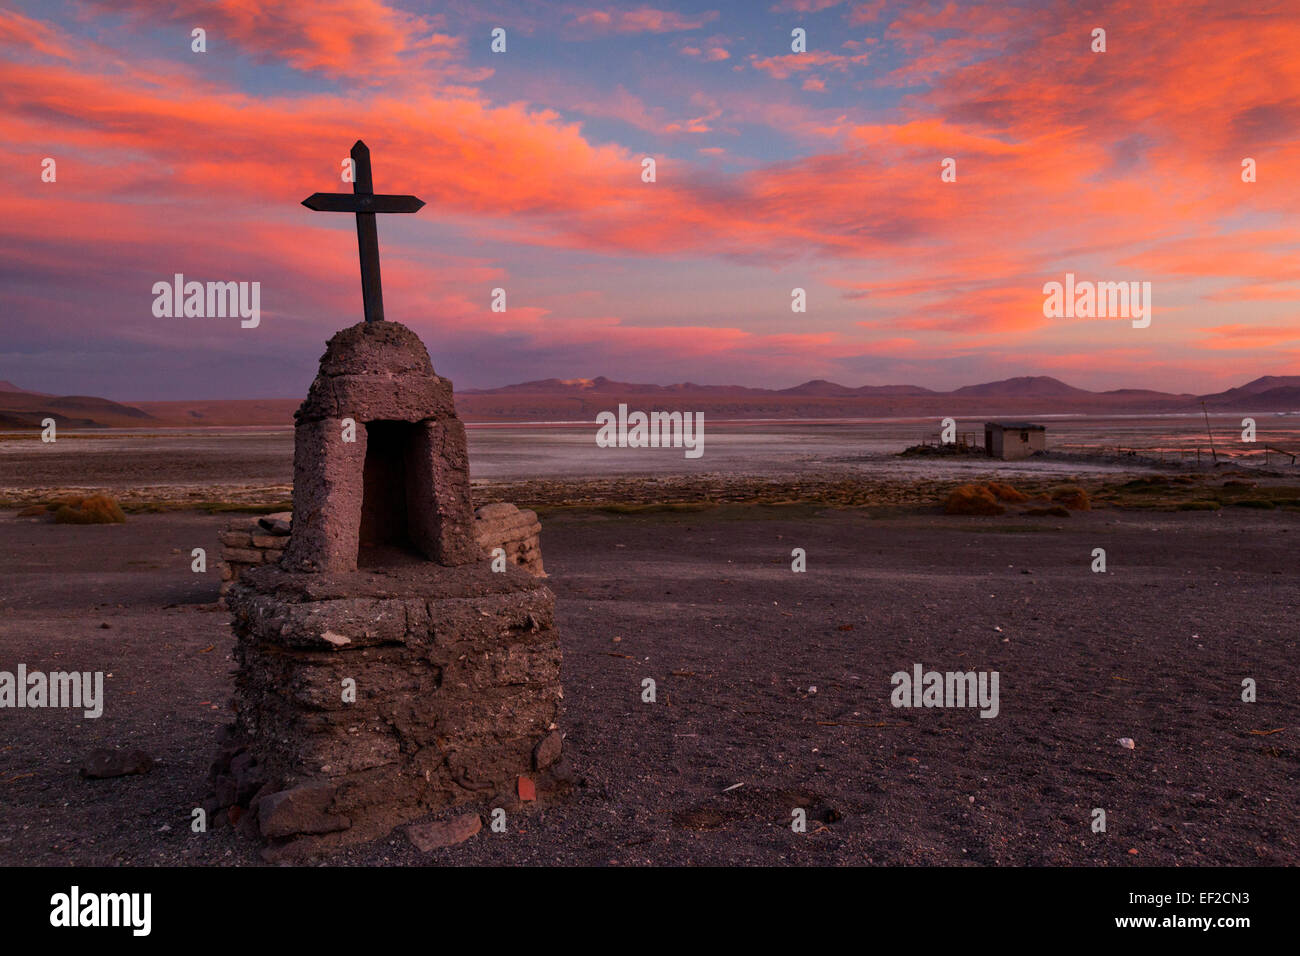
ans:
(385, 670)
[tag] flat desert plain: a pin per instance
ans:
(773, 690)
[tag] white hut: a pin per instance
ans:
(1010, 440)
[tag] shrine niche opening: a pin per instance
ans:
(388, 486)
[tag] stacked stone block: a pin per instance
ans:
(249, 542)
(516, 531)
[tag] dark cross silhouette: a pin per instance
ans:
(365, 204)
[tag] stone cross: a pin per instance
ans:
(365, 204)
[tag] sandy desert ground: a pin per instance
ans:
(706, 604)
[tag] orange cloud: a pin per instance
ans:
(360, 39)
(17, 30)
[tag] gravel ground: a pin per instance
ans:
(707, 606)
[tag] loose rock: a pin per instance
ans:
(441, 833)
(104, 763)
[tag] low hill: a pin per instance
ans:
(1283, 399)
(22, 409)
(1028, 386)
(1268, 393)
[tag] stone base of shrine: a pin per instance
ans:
(367, 699)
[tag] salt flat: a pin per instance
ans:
(252, 464)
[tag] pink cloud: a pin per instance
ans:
(804, 6)
(642, 20)
(711, 51)
(783, 66)
(866, 12)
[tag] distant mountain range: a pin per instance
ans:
(581, 399)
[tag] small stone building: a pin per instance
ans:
(386, 668)
(1011, 440)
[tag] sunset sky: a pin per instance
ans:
(775, 170)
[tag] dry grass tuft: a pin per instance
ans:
(95, 509)
(1072, 497)
(1004, 492)
(972, 500)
